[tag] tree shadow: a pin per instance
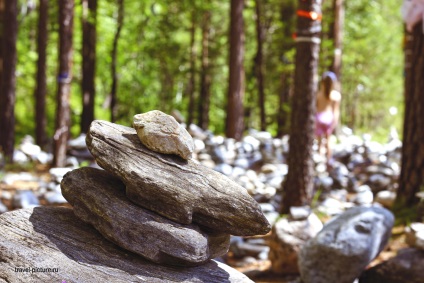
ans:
(82, 244)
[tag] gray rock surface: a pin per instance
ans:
(405, 267)
(415, 235)
(182, 190)
(162, 133)
(53, 237)
(345, 245)
(99, 199)
(287, 238)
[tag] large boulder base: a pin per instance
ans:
(182, 190)
(162, 133)
(99, 199)
(46, 238)
(346, 244)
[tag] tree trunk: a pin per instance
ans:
(63, 119)
(89, 35)
(41, 89)
(113, 94)
(283, 98)
(411, 178)
(259, 66)
(338, 38)
(297, 190)
(192, 76)
(1, 42)
(234, 121)
(8, 83)
(205, 77)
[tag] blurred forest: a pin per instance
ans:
(169, 53)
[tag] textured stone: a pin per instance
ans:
(287, 238)
(99, 199)
(53, 237)
(345, 245)
(181, 190)
(405, 267)
(162, 133)
(415, 235)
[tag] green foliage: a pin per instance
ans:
(154, 60)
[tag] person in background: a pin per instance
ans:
(327, 111)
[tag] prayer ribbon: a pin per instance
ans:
(310, 15)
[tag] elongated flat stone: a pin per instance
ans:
(50, 244)
(162, 133)
(99, 199)
(181, 190)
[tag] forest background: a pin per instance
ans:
(161, 63)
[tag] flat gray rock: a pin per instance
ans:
(345, 246)
(182, 190)
(405, 267)
(162, 133)
(98, 198)
(62, 248)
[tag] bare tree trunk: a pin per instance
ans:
(411, 178)
(8, 82)
(297, 189)
(259, 65)
(338, 38)
(89, 35)
(234, 121)
(205, 77)
(41, 89)
(192, 79)
(113, 94)
(63, 115)
(283, 99)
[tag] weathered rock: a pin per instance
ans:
(406, 267)
(287, 238)
(415, 235)
(99, 199)
(162, 133)
(54, 238)
(181, 190)
(386, 198)
(345, 245)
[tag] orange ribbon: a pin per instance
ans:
(310, 15)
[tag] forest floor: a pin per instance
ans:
(259, 271)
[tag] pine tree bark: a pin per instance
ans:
(113, 94)
(298, 187)
(259, 64)
(234, 121)
(89, 36)
(338, 38)
(41, 88)
(8, 82)
(191, 89)
(411, 178)
(1, 40)
(205, 77)
(63, 115)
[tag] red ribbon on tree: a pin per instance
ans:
(309, 14)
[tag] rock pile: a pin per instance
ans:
(166, 208)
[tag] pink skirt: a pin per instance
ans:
(324, 123)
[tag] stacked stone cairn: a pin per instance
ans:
(152, 199)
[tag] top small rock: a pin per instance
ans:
(162, 133)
